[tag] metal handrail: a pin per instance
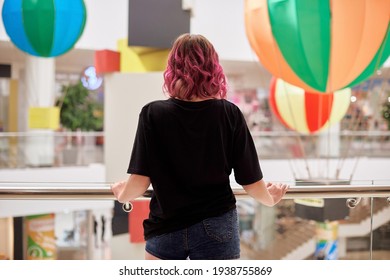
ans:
(275, 133)
(282, 133)
(50, 133)
(102, 191)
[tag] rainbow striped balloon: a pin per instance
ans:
(304, 111)
(44, 28)
(319, 45)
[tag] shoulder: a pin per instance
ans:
(231, 108)
(230, 105)
(154, 106)
(234, 114)
(155, 110)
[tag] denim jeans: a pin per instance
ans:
(215, 238)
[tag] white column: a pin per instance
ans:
(40, 92)
(125, 95)
(40, 81)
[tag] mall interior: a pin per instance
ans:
(75, 74)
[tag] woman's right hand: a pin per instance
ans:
(266, 193)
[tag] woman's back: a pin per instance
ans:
(188, 151)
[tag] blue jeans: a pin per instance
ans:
(215, 238)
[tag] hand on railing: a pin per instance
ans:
(268, 194)
(117, 189)
(277, 191)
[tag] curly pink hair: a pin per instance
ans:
(193, 70)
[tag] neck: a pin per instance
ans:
(196, 99)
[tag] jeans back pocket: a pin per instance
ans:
(222, 228)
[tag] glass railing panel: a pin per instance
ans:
(50, 149)
(381, 229)
(72, 235)
(307, 227)
(52, 220)
(312, 222)
(343, 144)
(381, 225)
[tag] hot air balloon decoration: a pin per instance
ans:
(307, 112)
(44, 28)
(319, 45)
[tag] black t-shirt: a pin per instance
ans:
(188, 149)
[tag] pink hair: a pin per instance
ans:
(193, 70)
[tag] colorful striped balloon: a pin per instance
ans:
(319, 45)
(44, 28)
(304, 111)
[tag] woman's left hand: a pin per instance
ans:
(118, 188)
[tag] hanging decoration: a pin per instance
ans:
(44, 28)
(304, 111)
(319, 45)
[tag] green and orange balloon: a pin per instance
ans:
(319, 45)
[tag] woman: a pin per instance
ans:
(186, 147)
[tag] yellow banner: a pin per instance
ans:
(40, 237)
(313, 202)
